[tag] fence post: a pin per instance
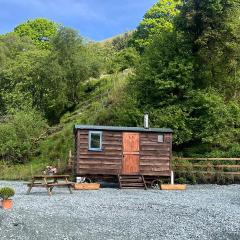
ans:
(31, 169)
(58, 164)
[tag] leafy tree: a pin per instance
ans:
(166, 73)
(40, 30)
(212, 120)
(122, 41)
(212, 30)
(186, 75)
(11, 45)
(77, 60)
(18, 85)
(18, 135)
(159, 18)
(126, 58)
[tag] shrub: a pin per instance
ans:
(19, 134)
(224, 179)
(6, 193)
(181, 180)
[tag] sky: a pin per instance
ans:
(94, 19)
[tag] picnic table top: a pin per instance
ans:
(51, 176)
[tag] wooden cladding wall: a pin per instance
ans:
(155, 156)
(108, 161)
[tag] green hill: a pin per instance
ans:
(56, 142)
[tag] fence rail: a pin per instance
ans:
(209, 166)
(206, 159)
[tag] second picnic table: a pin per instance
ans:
(49, 182)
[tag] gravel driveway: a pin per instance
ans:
(201, 212)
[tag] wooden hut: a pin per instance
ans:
(130, 154)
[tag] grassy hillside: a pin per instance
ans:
(58, 140)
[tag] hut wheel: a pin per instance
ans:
(155, 184)
(87, 180)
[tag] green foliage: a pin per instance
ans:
(212, 32)
(18, 135)
(40, 30)
(121, 42)
(6, 193)
(181, 180)
(224, 179)
(124, 59)
(187, 78)
(159, 18)
(47, 80)
(214, 121)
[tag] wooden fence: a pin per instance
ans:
(226, 166)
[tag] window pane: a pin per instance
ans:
(95, 141)
(160, 138)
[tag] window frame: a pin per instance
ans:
(90, 139)
(160, 134)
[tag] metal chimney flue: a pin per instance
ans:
(146, 121)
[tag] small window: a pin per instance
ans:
(95, 141)
(160, 138)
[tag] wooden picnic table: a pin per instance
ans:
(49, 182)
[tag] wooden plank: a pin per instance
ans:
(130, 142)
(131, 159)
(100, 161)
(206, 165)
(100, 157)
(130, 164)
(149, 148)
(226, 166)
(154, 158)
(154, 152)
(155, 144)
(106, 136)
(155, 168)
(173, 186)
(157, 173)
(104, 146)
(86, 186)
(210, 172)
(101, 153)
(77, 149)
(208, 159)
(112, 151)
(104, 143)
(97, 171)
(99, 167)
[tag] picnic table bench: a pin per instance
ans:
(49, 182)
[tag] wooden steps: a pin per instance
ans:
(131, 182)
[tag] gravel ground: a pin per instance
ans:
(200, 212)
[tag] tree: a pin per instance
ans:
(126, 58)
(187, 76)
(11, 44)
(40, 30)
(122, 41)
(76, 59)
(159, 18)
(212, 30)
(165, 74)
(18, 135)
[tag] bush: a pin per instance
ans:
(6, 193)
(19, 135)
(224, 179)
(181, 180)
